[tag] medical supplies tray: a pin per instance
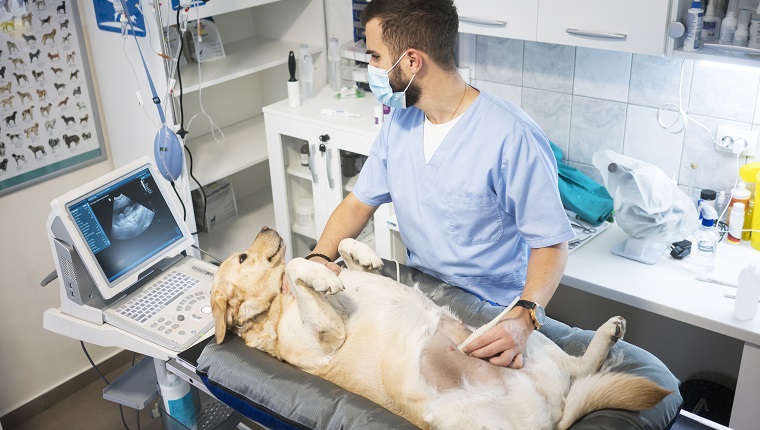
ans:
(134, 388)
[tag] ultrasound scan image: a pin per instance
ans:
(130, 218)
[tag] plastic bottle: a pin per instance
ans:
(708, 196)
(720, 203)
(694, 17)
(754, 32)
(728, 26)
(747, 230)
(333, 59)
(740, 193)
(705, 243)
(306, 71)
(179, 401)
(735, 223)
(304, 153)
(741, 36)
(711, 24)
(747, 293)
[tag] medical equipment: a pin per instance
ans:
(485, 327)
(583, 228)
(649, 206)
(118, 245)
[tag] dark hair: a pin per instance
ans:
(428, 25)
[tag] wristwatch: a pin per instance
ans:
(537, 313)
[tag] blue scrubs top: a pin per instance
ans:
(488, 195)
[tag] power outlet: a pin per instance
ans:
(728, 138)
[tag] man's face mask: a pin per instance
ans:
(380, 84)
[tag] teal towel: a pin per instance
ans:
(581, 194)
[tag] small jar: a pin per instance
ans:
(304, 154)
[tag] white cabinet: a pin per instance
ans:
(323, 183)
(637, 27)
(505, 18)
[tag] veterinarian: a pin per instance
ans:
(472, 178)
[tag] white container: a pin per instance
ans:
(736, 224)
(711, 24)
(333, 66)
(306, 71)
(304, 212)
(728, 26)
(179, 401)
(379, 116)
(747, 293)
(741, 36)
(694, 17)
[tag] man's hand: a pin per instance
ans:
(504, 344)
(329, 264)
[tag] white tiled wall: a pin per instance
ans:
(587, 100)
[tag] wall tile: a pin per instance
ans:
(552, 113)
(510, 93)
(589, 170)
(595, 125)
(717, 169)
(602, 74)
(549, 67)
(654, 80)
(499, 60)
(724, 91)
(647, 141)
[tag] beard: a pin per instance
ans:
(398, 83)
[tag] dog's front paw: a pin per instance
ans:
(359, 256)
(614, 328)
(314, 275)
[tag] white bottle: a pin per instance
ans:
(747, 293)
(710, 24)
(754, 32)
(179, 401)
(728, 26)
(694, 17)
(741, 36)
(702, 256)
(306, 71)
(333, 59)
(736, 224)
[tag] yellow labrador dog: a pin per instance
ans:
(393, 345)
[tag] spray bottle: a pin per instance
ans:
(711, 24)
(705, 243)
(750, 173)
(729, 24)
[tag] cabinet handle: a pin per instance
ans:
(596, 34)
(481, 21)
(329, 170)
(312, 166)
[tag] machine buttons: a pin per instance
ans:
(206, 309)
(180, 317)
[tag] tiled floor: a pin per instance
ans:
(88, 410)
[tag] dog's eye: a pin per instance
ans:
(242, 258)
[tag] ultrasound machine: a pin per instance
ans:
(120, 249)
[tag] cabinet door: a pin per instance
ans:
(605, 24)
(295, 186)
(502, 18)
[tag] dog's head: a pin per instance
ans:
(245, 288)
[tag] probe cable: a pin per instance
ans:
(92, 363)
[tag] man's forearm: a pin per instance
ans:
(347, 220)
(545, 269)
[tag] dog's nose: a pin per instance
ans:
(263, 229)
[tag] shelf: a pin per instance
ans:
(300, 171)
(244, 145)
(218, 8)
(729, 55)
(254, 212)
(309, 231)
(243, 57)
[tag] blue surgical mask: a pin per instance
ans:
(380, 84)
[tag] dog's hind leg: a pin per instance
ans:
(359, 256)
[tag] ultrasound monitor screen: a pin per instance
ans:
(125, 223)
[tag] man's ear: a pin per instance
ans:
(414, 59)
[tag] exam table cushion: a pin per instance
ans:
(280, 396)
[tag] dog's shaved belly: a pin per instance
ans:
(444, 367)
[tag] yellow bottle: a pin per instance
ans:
(750, 172)
(746, 233)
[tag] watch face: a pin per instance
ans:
(540, 314)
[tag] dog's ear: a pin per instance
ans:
(219, 296)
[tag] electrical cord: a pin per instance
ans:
(121, 410)
(184, 210)
(207, 253)
(200, 187)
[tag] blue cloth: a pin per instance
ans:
(581, 194)
(488, 194)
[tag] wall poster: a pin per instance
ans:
(49, 121)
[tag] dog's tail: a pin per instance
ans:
(608, 390)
